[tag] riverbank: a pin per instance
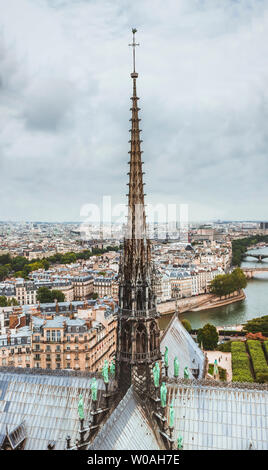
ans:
(197, 303)
(215, 302)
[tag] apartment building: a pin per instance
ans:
(82, 287)
(106, 286)
(25, 292)
(15, 348)
(74, 343)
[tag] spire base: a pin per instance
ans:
(134, 75)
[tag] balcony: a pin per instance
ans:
(140, 357)
(152, 313)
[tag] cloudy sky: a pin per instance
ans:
(64, 105)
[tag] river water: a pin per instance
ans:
(255, 304)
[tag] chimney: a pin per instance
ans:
(8, 337)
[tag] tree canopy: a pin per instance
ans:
(187, 325)
(225, 284)
(257, 325)
(5, 302)
(20, 266)
(208, 336)
(45, 295)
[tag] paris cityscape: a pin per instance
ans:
(133, 247)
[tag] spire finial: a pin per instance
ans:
(133, 45)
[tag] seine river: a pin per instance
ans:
(255, 304)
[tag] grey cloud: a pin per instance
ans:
(65, 105)
(49, 105)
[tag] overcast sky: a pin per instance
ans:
(64, 105)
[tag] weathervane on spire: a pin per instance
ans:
(133, 45)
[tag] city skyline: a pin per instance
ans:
(65, 106)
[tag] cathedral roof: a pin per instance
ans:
(46, 403)
(216, 417)
(128, 428)
(180, 343)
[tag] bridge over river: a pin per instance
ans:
(258, 256)
(250, 272)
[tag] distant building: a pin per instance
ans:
(82, 287)
(74, 343)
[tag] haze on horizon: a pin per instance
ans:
(64, 105)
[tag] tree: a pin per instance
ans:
(239, 279)
(18, 263)
(257, 325)
(187, 325)
(57, 295)
(12, 302)
(208, 336)
(225, 284)
(94, 295)
(68, 258)
(3, 301)
(45, 295)
(5, 259)
(3, 273)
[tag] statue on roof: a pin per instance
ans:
(112, 369)
(215, 368)
(81, 407)
(163, 394)
(186, 372)
(105, 371)
(94, 389)
(176, 367)
(171, 415)
(156, 374)
(166, 357)
(179, 443)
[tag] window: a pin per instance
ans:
(48, 335)
(58, 335)
(53, 335)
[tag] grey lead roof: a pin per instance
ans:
(220, 418)
(181, 344)
(46, 403)
(127, 428)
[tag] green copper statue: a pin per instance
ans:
(176, 367)
(94, 389)
(179, 442)
(112, 369)
(163, 394)
(186, 372)
(156, 373)
(171, 415)
(215, 368)
(105, 371)
(166, 357)
(81, 407)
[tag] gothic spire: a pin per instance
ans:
(137, 331)
(136, 213)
